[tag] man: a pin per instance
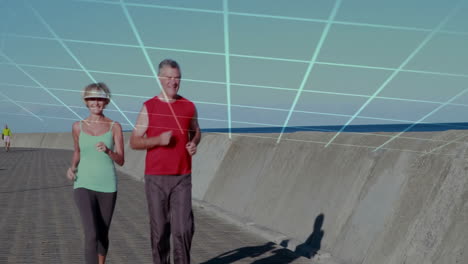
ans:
(6, 134)
(170, 124)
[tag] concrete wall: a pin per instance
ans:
(389, 206)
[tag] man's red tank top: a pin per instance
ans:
(174, 158)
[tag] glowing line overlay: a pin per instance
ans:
(241, 55)
(456, 140)
(311, 65)
(334, 22)
(264, 137)
(338, 144)
(422, 119)
(274, 138)
(306, 141)
(148, 60)
(395, 73)
(228, 64)
(8, 99)
(38, 83)
(248, 106)
(6, 21)
(77, 61)
(274, 17)
(237, 84)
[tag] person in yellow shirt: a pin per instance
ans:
(6, 134)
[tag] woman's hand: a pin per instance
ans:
(71, 174)
(101, 147)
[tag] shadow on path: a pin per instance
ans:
(37, 189)
(282, 255)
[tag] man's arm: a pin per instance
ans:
(194, 135)
(138, 139)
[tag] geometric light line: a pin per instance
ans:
(359, 24)
(77, 61)
(395, 73)
(337, 144)
(327, 130)
(234, 121)
(121, 45)
(424, 117)
(377, 135)
(227, 62)
(148, 60)
(152, 6)
(241, 84)
(244, 56)
(266, 58)
(38, 83)
(311, 65)
(6, 24)
(18, 114)
(233, 105)
(40, 116)
(265, 108)
(446, 144)
(235, 84)
(245, 106)
(20, 106)
(299, 128)
(244, 84)
(252, 123)
(392, 69)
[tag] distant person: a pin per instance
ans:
(170, 124)
(6, 136)
(98, 143)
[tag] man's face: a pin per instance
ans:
(170, 80)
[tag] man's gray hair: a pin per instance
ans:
(168, 63)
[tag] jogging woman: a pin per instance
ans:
(98, 143)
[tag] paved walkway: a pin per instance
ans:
(39, 222)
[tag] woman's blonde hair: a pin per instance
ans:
(97, 90)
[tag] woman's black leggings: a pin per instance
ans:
(96, 209)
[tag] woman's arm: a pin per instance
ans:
(117, 155)
(71, 172)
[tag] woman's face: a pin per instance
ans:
(96, 105)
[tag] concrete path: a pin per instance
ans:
(39, 222)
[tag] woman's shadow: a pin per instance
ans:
(241, 253)
(307, 249)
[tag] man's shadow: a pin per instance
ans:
(307, 249)
(313, 243)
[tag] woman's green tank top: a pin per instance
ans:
(96, 169)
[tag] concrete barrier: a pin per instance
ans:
(394, 205)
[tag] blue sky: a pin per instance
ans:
(245, 63)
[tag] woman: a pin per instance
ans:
(98, 144)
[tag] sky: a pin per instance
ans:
(245, 63)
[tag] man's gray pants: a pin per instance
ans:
(169, 200)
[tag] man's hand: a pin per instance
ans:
(191, 148)
(165, 138)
